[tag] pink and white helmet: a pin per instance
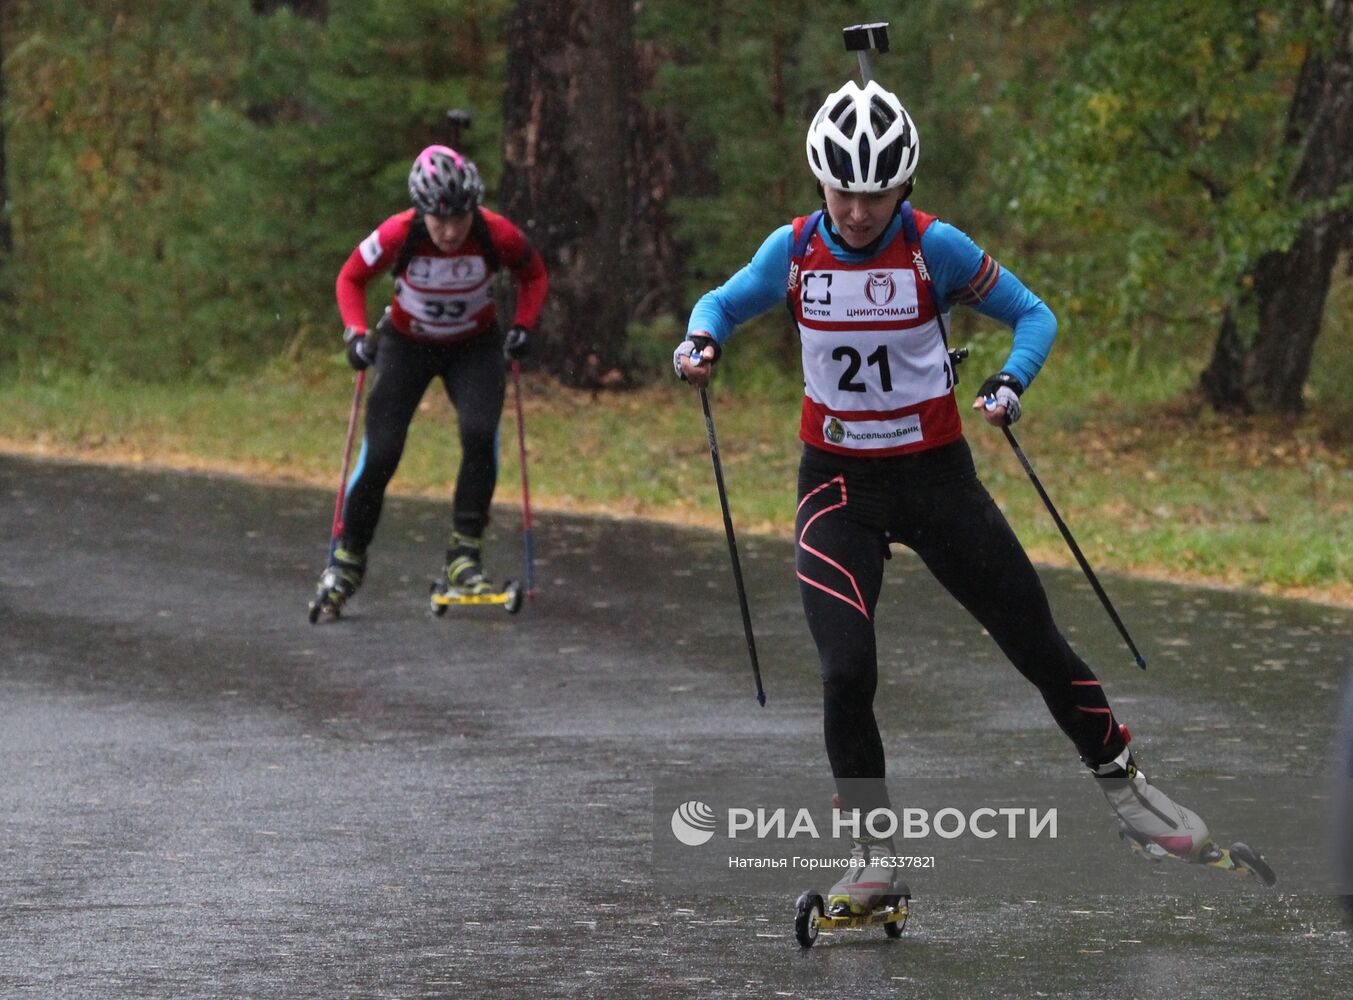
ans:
(862, 139)
(442, 182)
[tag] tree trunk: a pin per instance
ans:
(661, 159)
(1223, 379)
(6, 233)
(1290, 286)
(567, 181)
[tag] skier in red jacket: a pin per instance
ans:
(442, 322)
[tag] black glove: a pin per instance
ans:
(517, 343)
(361, 348)
(694, 346)
(1005, 390)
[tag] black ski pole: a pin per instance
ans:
(732, 544)
(1075, 549)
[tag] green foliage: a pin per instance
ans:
(748, 77)
(1155, 171)
(188, 178)
(100, 107)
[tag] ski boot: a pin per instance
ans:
(1158, 828)
(464, 571)
(869, 894)
(337, 583)
(464, 582)
(866, 883)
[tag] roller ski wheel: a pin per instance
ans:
(339, 581)
(328, 600)
(811, 917)
(808, 911)
(902, 904)
(443, 595)
(1238, 859)
(1247, 860)
(324, 606)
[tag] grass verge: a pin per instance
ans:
(1167, 490)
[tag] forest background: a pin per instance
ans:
(181, 182)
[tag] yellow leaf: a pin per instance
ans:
(90, 162)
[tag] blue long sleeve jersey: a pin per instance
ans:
(952, 257)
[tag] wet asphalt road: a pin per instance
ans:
(201, 795)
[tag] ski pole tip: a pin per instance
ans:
(1141, 661)
(761, 698)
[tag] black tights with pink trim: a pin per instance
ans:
(933, 503)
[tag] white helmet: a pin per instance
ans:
(862, 139)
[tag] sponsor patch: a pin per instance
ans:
(866, 434)
(866, 297)
(450, 274)
(918, 259)
(370, 248)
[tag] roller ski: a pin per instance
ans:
(337, 583)
(868, 895)
(444, 595)
(1159, 829)
(463, 581)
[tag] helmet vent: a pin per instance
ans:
(844, 115)
(881, 116)
(839, 162)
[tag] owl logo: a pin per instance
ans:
(880, 287)
(834, 431)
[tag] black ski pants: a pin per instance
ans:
(473, 373)
(849, 510)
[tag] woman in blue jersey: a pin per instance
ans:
(869, 280)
